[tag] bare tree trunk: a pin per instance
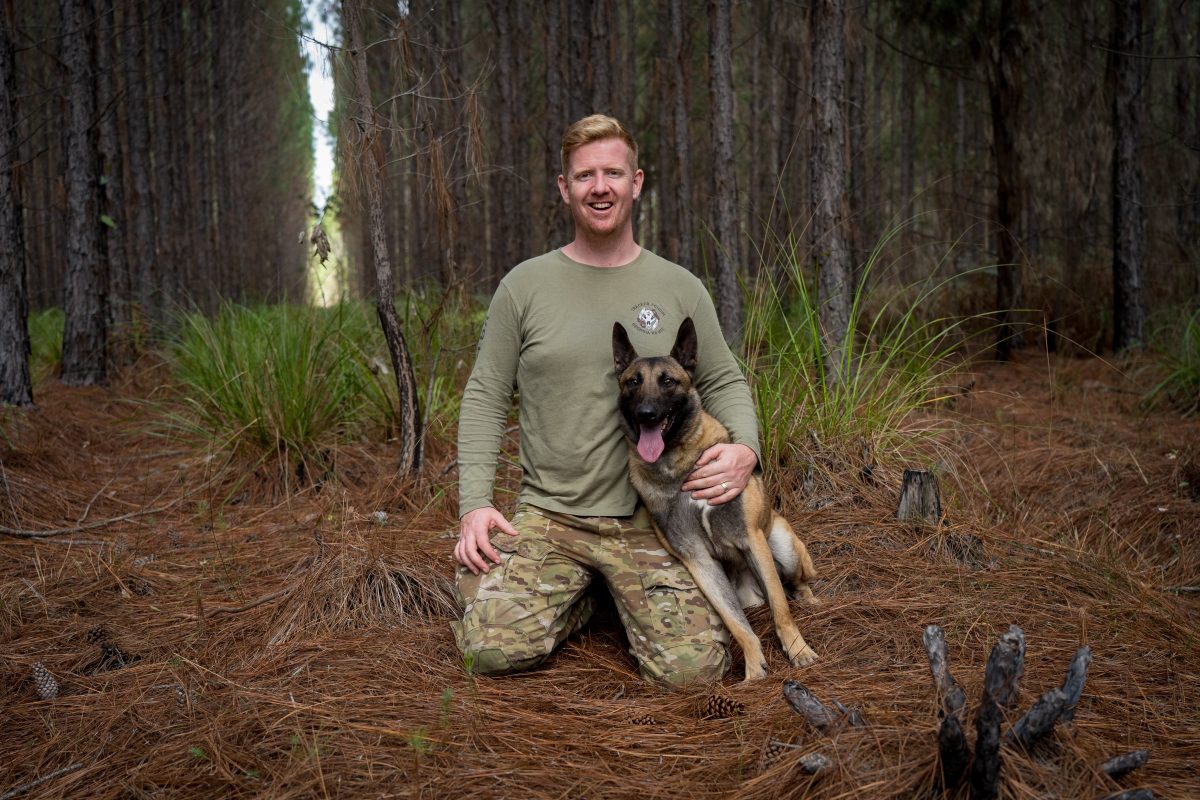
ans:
(727, 257)
(662, 178)
(680, 134)
(84, 354)
(1128, 225)
(164, 200)
(829, 180)
(119, 284)
(370, 150)
(508, 187)
(15, 385)
(601, 59)
(1002, 68)
(578, 42)
(554, 124)
(857, 145)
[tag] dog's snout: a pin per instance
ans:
(646, 414)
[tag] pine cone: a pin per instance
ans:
(47, 686)
(718, 706)
(772, 752)
(645, 719)
(174, 537)
(96, 634)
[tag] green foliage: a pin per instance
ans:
(1178, 353)
(278, 382)
(895, 362)
(45, 339)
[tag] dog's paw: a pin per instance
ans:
(755, 673)
(805, 657)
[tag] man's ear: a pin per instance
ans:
(684, 350)
(623, 352)
(562, 190)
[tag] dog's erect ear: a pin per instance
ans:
(623, 352)
(684, 350)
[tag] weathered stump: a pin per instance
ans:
(920, 498)
(1005, 666)
(953, 753)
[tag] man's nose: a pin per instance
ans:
(600, 185)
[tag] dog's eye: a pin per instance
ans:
(667, 381)
(636, 380)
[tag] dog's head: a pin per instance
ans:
(657, 397)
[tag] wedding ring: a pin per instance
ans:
(725, 485)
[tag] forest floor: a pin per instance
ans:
(299, 646)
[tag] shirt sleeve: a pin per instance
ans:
(486, 402)
(720, 381)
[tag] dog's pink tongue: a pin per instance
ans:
(650, 444)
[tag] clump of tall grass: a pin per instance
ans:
(1178, 352)
(45, 343)
(897, 359)
(281, 384)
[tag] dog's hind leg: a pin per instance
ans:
(761, 560)
(796, 569)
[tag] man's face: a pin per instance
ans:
(600, 187)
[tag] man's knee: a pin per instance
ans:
(497, 658)
(688, 665)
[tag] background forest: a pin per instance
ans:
(989, 140)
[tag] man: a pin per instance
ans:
(548, 335)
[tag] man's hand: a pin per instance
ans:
(721, 473)
(474, 549)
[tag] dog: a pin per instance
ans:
(742, 543)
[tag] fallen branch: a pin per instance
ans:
(1132, 794)
(808, 706)
(34, 784)
(1073, 682)
(1038, 720)
(27, 534)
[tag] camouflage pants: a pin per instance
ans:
(519, 612)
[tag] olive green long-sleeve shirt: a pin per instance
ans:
(548, 336)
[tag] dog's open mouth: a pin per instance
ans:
(650, 443)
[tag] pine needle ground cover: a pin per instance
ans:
(205, 647)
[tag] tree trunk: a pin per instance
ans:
(84, 344)
(578, 42)
(119, 285)
(555, 121)
(1002, 67)
(370, 148)
(828, 176)
(1128, 225)
(857, 144)
(15, 386)
(164, 200)
(601, 59)
(680, 135)
(726, 246)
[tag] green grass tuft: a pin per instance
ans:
(1178, 352)
(897, 361)
(281, 382)
(45, 340)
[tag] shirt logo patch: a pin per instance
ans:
(648, 317)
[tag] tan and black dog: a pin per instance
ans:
(742, 543)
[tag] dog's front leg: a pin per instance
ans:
(710, 577)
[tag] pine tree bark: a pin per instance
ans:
(1001, 61)
(726, 249)
(1128, 225)
(16, 389)
(370, 150)
(165, 157)
(554, 122)
(601, 59)
(120, 319)
(828, 176)
(857, 148)
(680, 135)
(84, 356)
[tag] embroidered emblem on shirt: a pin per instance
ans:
(648, 317)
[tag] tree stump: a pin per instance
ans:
(953, 753)
(920, 498)
(1005, 666)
